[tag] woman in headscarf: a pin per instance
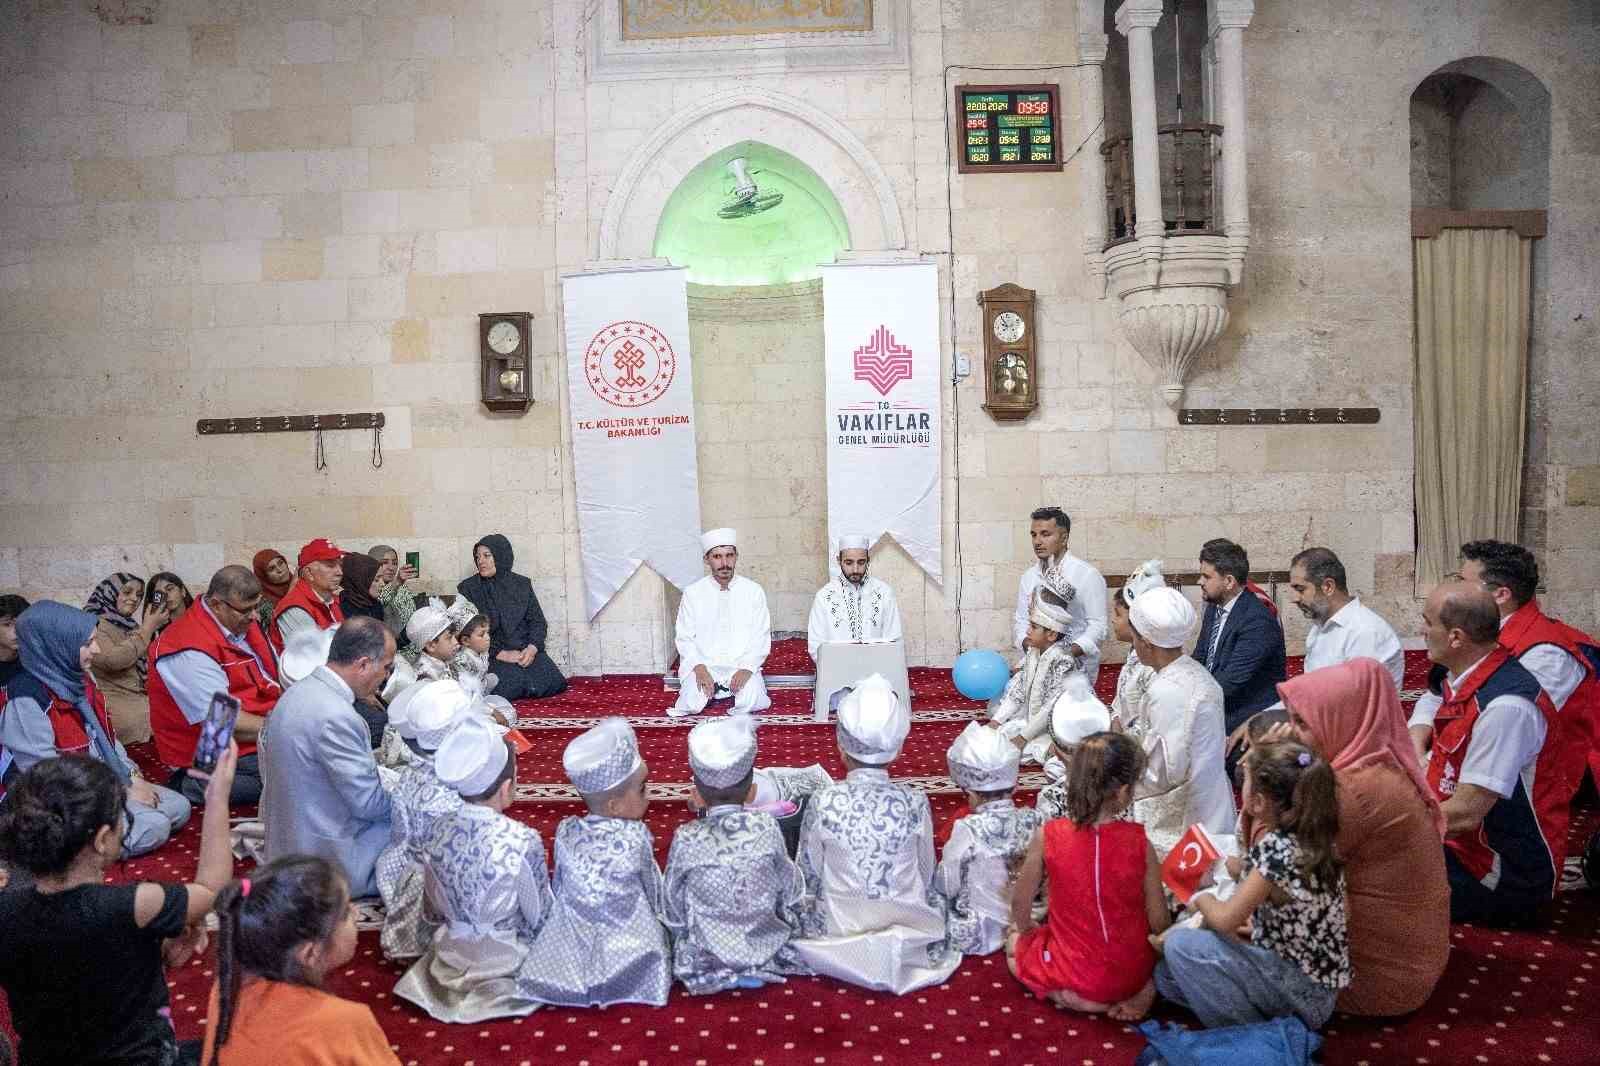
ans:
(53, 708)
(1391, 833)
(275, 575)
(517, 627)
(359, 595)
(119, 665)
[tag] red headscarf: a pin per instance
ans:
(1354, 715)
(271, 591)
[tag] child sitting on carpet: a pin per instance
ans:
(986, 847)
(873, 916)
(603, 942)
(418, 800)
(429, 632)
(731, 889)
(1093, 953)
(486, 881)
(82, 960)
(1298, 956)
(472, 657)
(1076, 715)
(280, 931)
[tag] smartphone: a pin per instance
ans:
(414, 560)
(216, 731)
(157, 598)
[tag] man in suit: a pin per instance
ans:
(320, 789)
(1241, 642)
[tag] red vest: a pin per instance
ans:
(67, 723)
(301, 595)
(256, 689)
(1527, 628)
(1521, 843)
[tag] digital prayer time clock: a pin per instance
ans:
(1007, 128)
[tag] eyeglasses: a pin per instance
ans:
(245, 609)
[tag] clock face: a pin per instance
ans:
(504, 337)
(1009, 327)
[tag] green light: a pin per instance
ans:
(790, 242)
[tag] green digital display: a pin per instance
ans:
(1007, 126)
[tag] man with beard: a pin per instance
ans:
(853, 607)
(1341, 627)
(724, 634)
(1241, 643)
(1049, 531)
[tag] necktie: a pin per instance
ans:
(1216, 635)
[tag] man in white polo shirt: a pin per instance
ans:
(1342, 628)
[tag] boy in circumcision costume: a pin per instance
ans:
(422, 716)
(873, 916)
(1022, 711)
(604, 941)
(1076, 716)
(986, 848)
(486, 881)
(731, 888)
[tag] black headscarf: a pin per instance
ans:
(360, 571)
(505, 599)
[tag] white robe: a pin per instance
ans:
(1023, 709)
(846, 613)
(1185, 780)
(724, 630)
(1090, 624)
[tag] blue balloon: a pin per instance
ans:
(980, 675)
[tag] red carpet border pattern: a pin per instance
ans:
(1506, 998)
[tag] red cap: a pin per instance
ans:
(320, 550)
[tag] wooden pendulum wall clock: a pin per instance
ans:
(503, 344)
(1010, 353)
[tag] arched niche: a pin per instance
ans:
(786, 243)
(1480, 138)
(858, 185)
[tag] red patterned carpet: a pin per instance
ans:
(1506, 998)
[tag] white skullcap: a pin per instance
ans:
(602, 757)
(1053, 618)
(434, 709)
(501, 704)
(303, 652)
(722, 751)
(983, 759)
(1077, 713)
(471, 758)
(402, 677)
(718, 538)
(1163, 616)
(872, 724)
(428, 622)
(1148, 576)
(855, 542)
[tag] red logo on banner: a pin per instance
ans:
(882, 363)
(1189, 861)
(629, 364)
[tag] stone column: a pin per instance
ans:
(1092, 46)
(1136, 20)
(1227, 21)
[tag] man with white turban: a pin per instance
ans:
(1022, 711)
(724, 939)
(853, 607)
(1184, 781)
(873, 915)
(724, 634)
(986, 846)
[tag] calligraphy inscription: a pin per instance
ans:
(647, 19)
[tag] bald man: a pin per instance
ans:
(1491, 745)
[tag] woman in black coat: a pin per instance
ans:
(516, 624)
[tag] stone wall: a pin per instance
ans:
(303, 207)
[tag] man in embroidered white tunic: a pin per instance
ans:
(853, 607)
(724, 634)
(1049, 532)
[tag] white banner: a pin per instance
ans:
(632, 399)
(881, 330)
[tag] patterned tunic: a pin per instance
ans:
(1023, 709)
(977, 871)
(487, 882)
(844, 611)
(731, 895)
(417, 802)
(603, 942)
(873, 916)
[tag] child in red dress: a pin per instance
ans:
(1093, 953)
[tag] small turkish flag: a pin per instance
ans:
(1189, 861)
(518, 741)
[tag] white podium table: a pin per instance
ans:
(842, 664)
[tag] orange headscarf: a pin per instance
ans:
(1355, 719)
(271, 591)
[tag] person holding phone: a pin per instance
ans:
(119, 666)
(215, 647)
(398, 598)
